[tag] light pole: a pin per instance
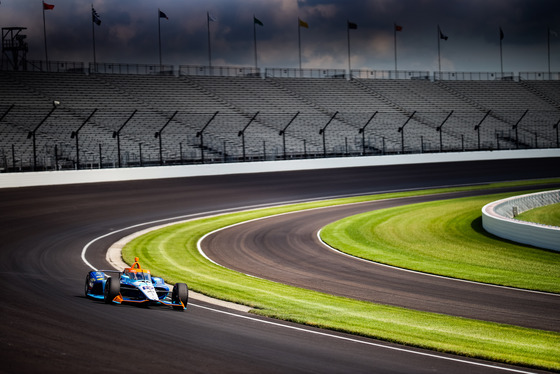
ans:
(322, 132)
(363, 132)
(6, 112)
(117, 134)
(477, 127)
(201, 135)
(515, 128)
(158, 135)
(401, 130)
(242, 133)
(31, 134)
(75, 135)
(557, 139)
(283, 133)
(438, 129)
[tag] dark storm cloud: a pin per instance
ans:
(129, 32)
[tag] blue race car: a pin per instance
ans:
(135, 286)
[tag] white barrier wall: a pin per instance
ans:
(498, 219)
(45, 178)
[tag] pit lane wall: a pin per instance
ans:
(498, 218)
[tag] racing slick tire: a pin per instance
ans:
(112, 289)
(180, 294)
(86, 287)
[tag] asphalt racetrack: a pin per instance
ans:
(48, 325)
(286, 249)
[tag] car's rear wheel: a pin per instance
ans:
(180, 294)
(112, 289)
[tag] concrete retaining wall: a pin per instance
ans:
(498, 219)
(45, 178)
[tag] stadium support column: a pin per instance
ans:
(242, 133)
(158, 135)
(401, 130)
(438, 129)
(283, 133)
(363, 132)
(117, 134)
(322, 132)
(200, 135)
(75, 135)
(31, 134)
(477, 127)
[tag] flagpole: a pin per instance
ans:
(209, 49)
(159, 36)
(501, 58)
(395, 32)
(93, 38)
(299, 43)
(438, 50)
(548, 44)
(348, 32)
(45, 35)
(255, 39)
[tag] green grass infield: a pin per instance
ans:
(545, 215)
(446, 238)
(172, 253)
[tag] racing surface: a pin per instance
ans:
(286, 249)
(48, 325)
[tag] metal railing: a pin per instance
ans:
(249, 71)
(141, 69)
(304, 73)
(539, 76)
(390, 74)
(219, 71)
(474, 76)
(50, 66)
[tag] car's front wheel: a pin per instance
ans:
(180, 295)
(86, 288)
(112, 289)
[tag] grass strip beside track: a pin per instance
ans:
(545, 215)
(172, 252)
(446, 238)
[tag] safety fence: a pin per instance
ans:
(267, 72)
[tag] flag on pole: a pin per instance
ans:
(352, 26)
(398, 28)
(47, 6)
(257, 21)
(303, 24)
(501, 34)
(162, 15)
(95, 17)
(441, 35)
(211, 18)
(553, 33)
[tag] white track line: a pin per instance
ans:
(320, 333)
(370, 343)
(432, 275)
(277, 324)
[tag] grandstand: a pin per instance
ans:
(229, 114)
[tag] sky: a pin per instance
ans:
(129, 33)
